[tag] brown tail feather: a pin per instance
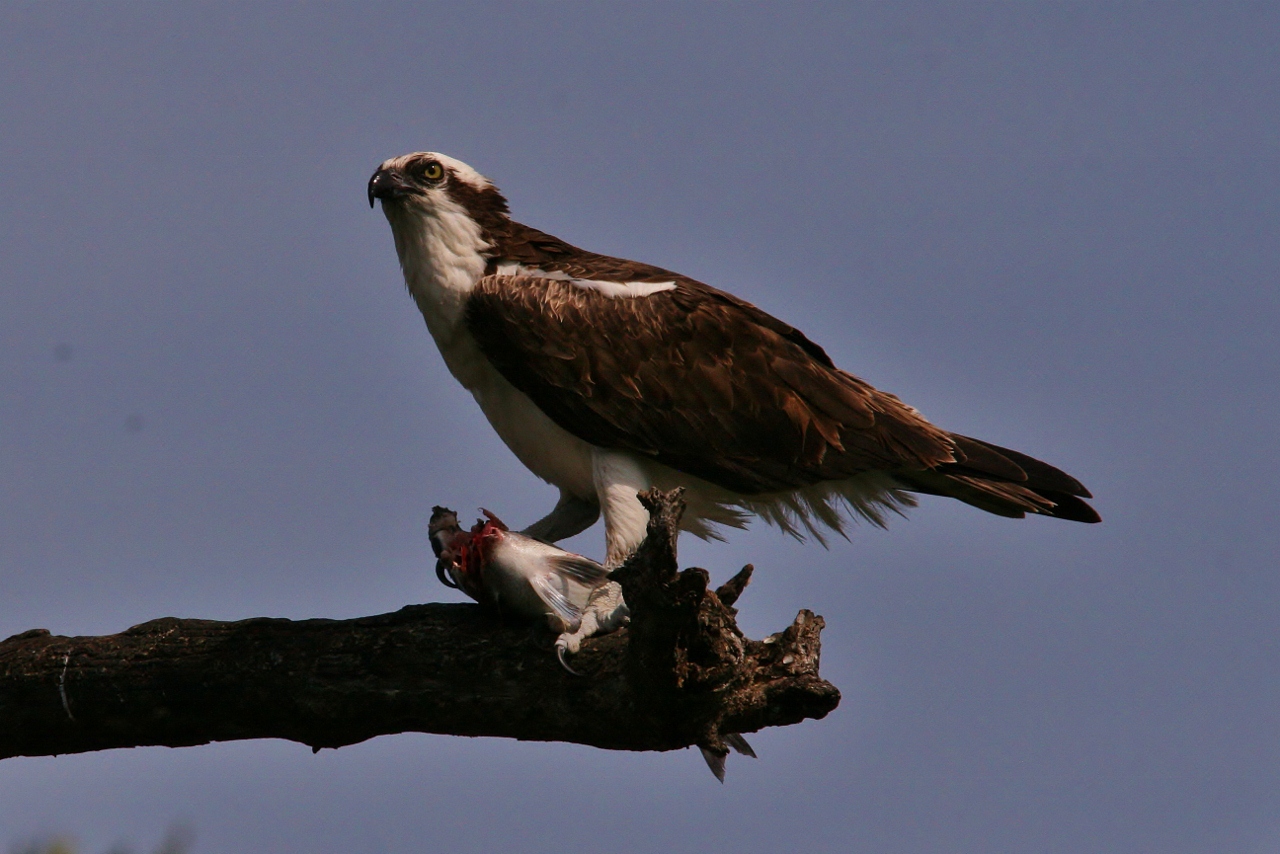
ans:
(1004, 482)
(1039, 474)
(1070, 507)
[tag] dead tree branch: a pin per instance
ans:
(681, 675)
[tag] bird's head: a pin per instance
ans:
(428, 185)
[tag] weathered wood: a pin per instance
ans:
(682, 674)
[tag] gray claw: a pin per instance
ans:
(563, 662)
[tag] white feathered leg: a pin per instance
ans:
(619, 481)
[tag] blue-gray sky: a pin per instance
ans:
(1052, 226)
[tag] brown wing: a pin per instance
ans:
(698, 380)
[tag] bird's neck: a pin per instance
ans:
(443, 254)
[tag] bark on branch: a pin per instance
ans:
(682, 674)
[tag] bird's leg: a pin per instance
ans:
(570, 516)
(604, 612)
(618, 481)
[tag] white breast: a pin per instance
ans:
(441, 252)
(545, 448)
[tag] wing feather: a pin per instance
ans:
(697, 379)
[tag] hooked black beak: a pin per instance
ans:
(387, 184)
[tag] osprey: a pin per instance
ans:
(606, 377)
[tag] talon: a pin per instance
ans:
(443, 566)
(563, 663)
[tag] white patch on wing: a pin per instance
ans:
(628, 290)
(613, 290)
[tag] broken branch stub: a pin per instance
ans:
(687, 650)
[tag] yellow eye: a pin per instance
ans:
(432, 170)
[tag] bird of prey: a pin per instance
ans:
(606, 377)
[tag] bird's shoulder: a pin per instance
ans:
(524, 262)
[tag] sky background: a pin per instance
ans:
(1054, 227)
